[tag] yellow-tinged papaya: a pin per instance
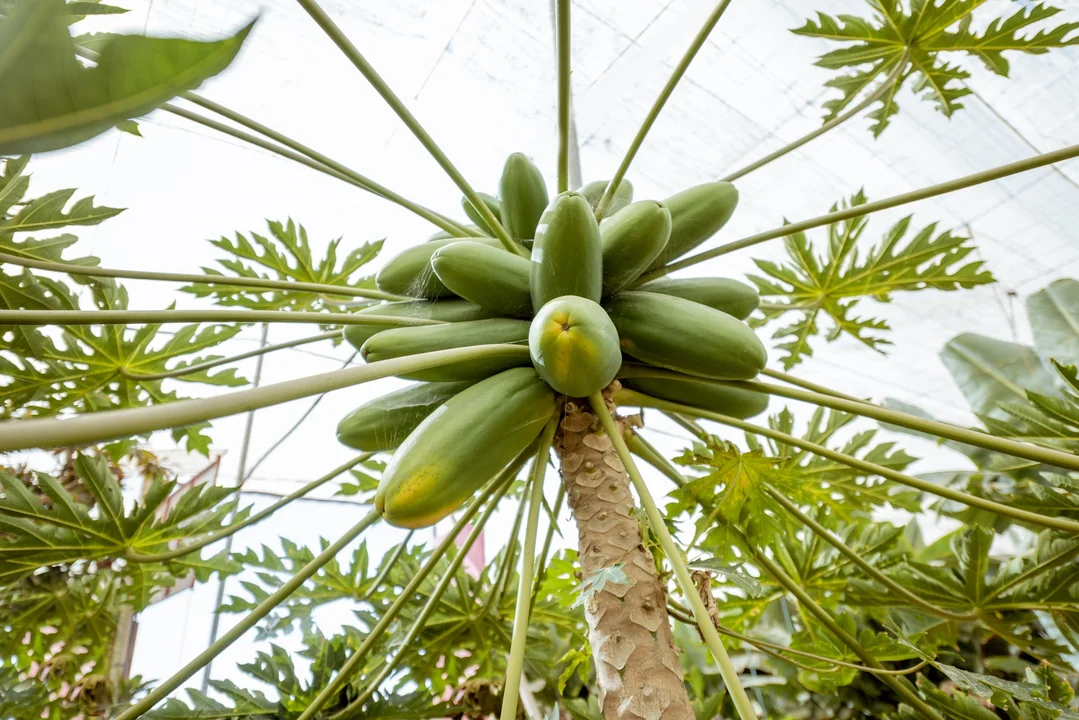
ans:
(696, 215)
(574, 346)
(730, 401)
(461, 446)
(523, 195)
(730, 296)
(487, 276)
(393, 343)
(493, 204)
(383, 423)
(682, 335)
(448, 310)
(409, 272)
(631, 240)
(567, 258)
(622, 196)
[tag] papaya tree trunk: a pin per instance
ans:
(637, 666)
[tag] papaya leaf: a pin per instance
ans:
(285, 255)
(1054, 319)
(598, 581)
(52, 101)
(90, 368)
(902, 40)
(992, 372)
(58, 529)
(832, 284)
(130, 127)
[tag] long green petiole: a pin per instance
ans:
(674, 555)
(362, 181)
(496, 488)
(509, 557)
(387, 567)
(943, 188)
(351, 177)
(360, 62)
(541, 563)
(897, 685)
(210, 364)
(261, 610)
(887, 86)
(644, 450)
(317, 160)
(807, 385)
(515, 665)
(205, 278)
(562, 9)
(1018, 514)
(1026, 451)
(429, 607)
(868, 569)
(125, 317)
(135, 556)
(24, 434)
(657, 106)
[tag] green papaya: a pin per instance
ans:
(730, 401)
(567, 258)
(622, 196)
(729, 296)
(448, 310)
(452, 453)
(487, 276)
(409, 272)
(492, 204)
(682, 335)
(696, 215)
(382, 424)
(393, 343)
(523, 195)
(631, 239)
(574, 346)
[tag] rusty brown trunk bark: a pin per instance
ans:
(637, 666)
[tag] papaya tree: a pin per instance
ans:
(528, 329)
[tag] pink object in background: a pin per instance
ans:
(476, 558)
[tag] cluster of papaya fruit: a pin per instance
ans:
(571, 303)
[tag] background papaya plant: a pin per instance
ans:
(792, 569)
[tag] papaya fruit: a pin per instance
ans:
(453, 452)
(448, 310)
(729, 296)
(523, 195)
(492, 203)
(487, 276)
(730, 401)
(696, 215)
(574, 346)
(631, 239)
(622, 196)
(682, 335)
(392, 344)
(409, 272)
(382, 424)
(567, 258)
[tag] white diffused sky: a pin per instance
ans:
(479, 74)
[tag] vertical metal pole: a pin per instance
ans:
(244, 448)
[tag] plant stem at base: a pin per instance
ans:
(704, 622)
